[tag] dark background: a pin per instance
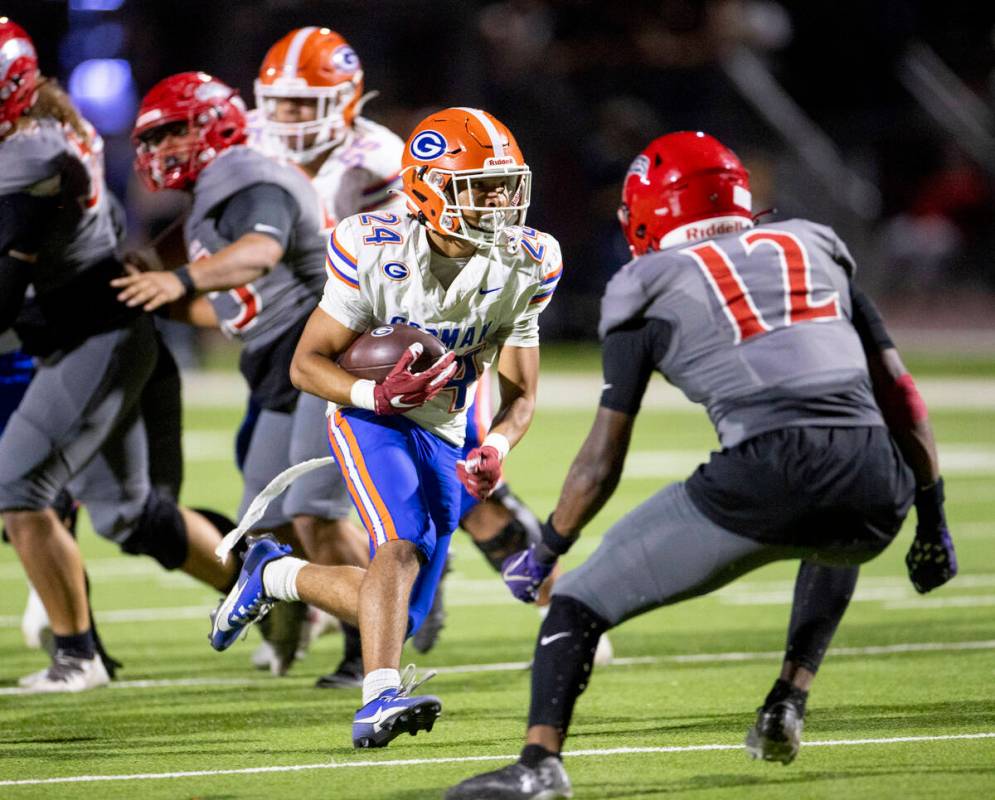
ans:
(875, 117)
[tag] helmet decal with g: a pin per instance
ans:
(183, 123)
(428, 145)
(309, 91)
(18, 73)
(465, 177)
(683, 186)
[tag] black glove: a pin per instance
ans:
(931, 560)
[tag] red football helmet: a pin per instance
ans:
(18, 73)
(183, 123)
(309, 64)
(447, 157)
(674, 184)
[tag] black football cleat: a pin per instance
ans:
(777, 733)
(348, 675)
(548, 781)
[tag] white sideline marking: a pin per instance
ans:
(517, 666)
(414, 762)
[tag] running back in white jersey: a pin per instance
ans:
(378, 273)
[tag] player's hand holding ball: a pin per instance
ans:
(399, 367)
(403, 389)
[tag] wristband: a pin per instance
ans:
(552, 541)
(929, 503)
(183, 273)
(499, 442)
(361, 394)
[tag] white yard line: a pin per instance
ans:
(517, 666)
(417, 762)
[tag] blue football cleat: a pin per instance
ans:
(395, 712)
(247, 601)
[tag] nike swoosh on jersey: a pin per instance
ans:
(488, 291)
(550, 639)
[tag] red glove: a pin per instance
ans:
(403, 389)
(481, 472)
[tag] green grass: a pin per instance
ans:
(259, 721)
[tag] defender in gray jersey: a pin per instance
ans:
(823, 442)
(255, 245)
(81, 424)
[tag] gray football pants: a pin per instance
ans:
(665, 550)
(80, 426)
(280, 440)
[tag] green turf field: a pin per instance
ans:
(904, 710)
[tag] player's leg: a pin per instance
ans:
(822, 594)
(69, 410)
(319, 505)
(662, 552)
(849, 521)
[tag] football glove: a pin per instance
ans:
(481, 472)
(403, 390)
(523, 572)
(931, 560)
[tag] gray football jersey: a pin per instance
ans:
(259, 312)
(761, 330)
(48, 159)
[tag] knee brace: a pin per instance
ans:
(521, 512)
(510, 539)
(160, 532)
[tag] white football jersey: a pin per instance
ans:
(361, 174)
(378, 273)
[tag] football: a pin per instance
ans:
(374, 354)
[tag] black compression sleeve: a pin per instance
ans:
(867, 320)
(14, 279)
(629, 354)
(262, 208)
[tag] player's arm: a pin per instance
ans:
(629, 356)
(258, 221)
(518, 379)
(23, 221)
(931, 560)
(313, 368)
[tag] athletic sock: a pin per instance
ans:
(77, 645)
(821, 597)
(533, 754)
(785, 690)
(280, 578)
(378, 681)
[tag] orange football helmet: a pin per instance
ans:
(458, 154)
(309, 64)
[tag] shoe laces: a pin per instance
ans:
(409, 682)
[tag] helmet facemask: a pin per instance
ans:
(302, 142)
(169, 166)
(484, 224)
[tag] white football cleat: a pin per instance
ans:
(35, 627)
(68, 674)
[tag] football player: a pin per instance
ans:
(256, 251)
(309, 98)
(462, 266)
(763, 326)
(81, 422)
